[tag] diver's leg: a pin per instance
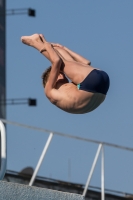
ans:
(63, 54)
(74, 70)
(36, 42)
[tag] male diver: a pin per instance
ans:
(88, 86)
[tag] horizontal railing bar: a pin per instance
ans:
(17, 9)
(22, 13)
(13, 13)
(14, 99)
(13, 103)
(67, 135)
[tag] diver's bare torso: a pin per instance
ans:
(78, 101)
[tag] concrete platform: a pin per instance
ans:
(14, 191)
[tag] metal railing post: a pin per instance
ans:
(41, 159)
(102, 175)
(3, 151)
(92, 169)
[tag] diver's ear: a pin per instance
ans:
(61, 75)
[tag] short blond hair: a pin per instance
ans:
(45, 76)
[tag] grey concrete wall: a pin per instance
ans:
(14, 191)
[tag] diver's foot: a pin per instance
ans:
(35, 40)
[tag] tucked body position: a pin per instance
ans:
(70, 83)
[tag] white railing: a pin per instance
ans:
(92, 170)
(3, 159)
(99, 150)
(41, 159)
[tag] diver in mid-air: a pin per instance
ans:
(88, 86)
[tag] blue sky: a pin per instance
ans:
(102, 32)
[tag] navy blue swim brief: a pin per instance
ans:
(97, 81)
